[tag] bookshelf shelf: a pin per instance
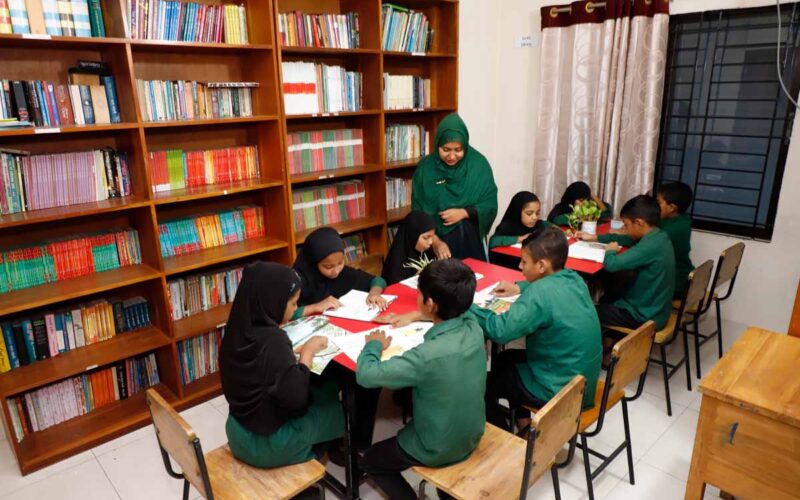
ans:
(214, 190)
(156, 45)
(397, 214)
(200, 323)
(218, 121)
(346, 227)
(325, 51)
(202, 388)
(337, 173)
(81, 210)
(219, 255)
(418, 110)
(394, 165)
(343, 114)
(18, 41)
(70, 129)
(420, 55)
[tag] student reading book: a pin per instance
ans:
(522, 217)
(411, 243)
(575, 194)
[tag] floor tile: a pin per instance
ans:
(11, 480)
(672, 453)
(651, 483)
(85, 481)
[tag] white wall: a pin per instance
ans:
(498, 98)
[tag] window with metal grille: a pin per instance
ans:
(726, 123)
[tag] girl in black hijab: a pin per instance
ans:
(275, 415)
(576, 193)
(522, 217)
(412, 242)
(325, 277)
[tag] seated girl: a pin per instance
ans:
(412, 243)
(520, 220)
(575, 194)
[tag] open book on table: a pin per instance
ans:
(588, 250)
(487, 300)
(354, 306)
(404, 339)
(303, 329)
(413, 281)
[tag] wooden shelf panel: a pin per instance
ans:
(61, 291)
(334, 174)
(435, 109)
(421, 55)
(342, 114)
(81, 210)
(218, 255)
(202, 389)
(214, 190)
(165, 45)
(325, 51)
(345, 227)
(69, 129)
(397, 214)
(393, 165)
(200, 323)
(214, 121)
(82, 359)
(11, 40)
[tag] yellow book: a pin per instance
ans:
(5, 365)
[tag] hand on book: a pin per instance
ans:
(381, 337)
(399, 320)
(506, 289)
(376, 300)
(325, 304)
(612, 247)
(580, 235)
(312, 346)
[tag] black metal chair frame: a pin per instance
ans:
(669, 369)
(198, 451)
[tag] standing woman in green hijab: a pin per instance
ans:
(455, 186)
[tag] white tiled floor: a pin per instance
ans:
(130, 467)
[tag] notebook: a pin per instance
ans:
(355, 307)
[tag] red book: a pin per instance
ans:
(64, 105)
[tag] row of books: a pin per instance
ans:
(36, 182)
(311, 88)
(406, 92)
(56, 403)
(186, 21)
(182, 236)
(328, 204)
(178, 169)
(354, 248)
(337, 31)
(405, 30)
(52, 105)
(82, 18)
(68, 258)
(398, 193)
(200, 292)
(190, 100)
(320, 150)
(47, 335)
(405, 142)
(199, 356)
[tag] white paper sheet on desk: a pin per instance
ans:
(404, 339)
(355, 307)
(303, 329)
(499, 305)
(516, 245)
(588, 250)
(412, 281)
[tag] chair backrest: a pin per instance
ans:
(729, 261)
(698, 284)
(631, 356)
(178, 439)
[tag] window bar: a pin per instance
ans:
(666, 101)
(691, 98)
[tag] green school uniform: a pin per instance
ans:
(506, 241)
(563, 220)
(556, 316)
(650, 295)
(447, 374)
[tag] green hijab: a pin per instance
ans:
(437, 186)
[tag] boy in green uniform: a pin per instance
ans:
(447, 375)
(556, 316)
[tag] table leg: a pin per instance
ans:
(695, 486)
(352, 472)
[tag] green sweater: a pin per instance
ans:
(556, 316)
(506, 241)
(447, 374)
(650, 295)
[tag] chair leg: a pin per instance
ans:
(696, 324)
(627, 425)
(686, 358)
(421, 494)
(719, 328)
(185, 489)
(556, 485)
(321, 489)
(587, 467)
(666, 377)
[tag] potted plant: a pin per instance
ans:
(584, 216)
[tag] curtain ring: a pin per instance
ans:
(553, 12)
(589, 7)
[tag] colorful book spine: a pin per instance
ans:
(322, 205)
(311, 88)
(406, 142)
(19, 16)
(199, 356)
(354, 248)
(182, 236)
(177, 169)
(321, 150)
(200, 292)
(190, 100)
(5, 18)
(186, 21)
(339, 31)
(96, 18)
(398, 193)
(406, 92)
(405, 30)
(80, 17)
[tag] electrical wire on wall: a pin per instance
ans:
(778, 58)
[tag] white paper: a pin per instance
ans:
(588, 250)
(486, 300)
(303, 329)
(355, 307)
(403, 339)
(516, 245)
(412, 281)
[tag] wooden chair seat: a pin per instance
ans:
(590, 416)
(235, 480)
(662, 335)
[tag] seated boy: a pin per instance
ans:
(447, 375)
(555, 315)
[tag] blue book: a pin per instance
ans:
(27, 328)
(11, 347)
(53, 104)
(86, 104)
(111, 97)
(41, 95)
(61, 333)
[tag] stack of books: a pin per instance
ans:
(178, 169)
(186, 21)
(199, 356)
(49, 334)
(354, 248)
(191, 100)
(82, 18)
(56, 403)
(337, 31)
(36, 182)
(398, 193)
(200, 292)
(182, 236)
(67, 258)
(320, 150)
(328, 204)
(311, 88)
(406, 142)
(406, 92)
(405, 30)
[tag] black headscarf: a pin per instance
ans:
(404, 246)
(315, 287)
(511, 224)
(574, 192)
(261, 379)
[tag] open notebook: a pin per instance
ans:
(403, 339)
(486, 300)
(354, 306)
(412, 281)
(303, 329)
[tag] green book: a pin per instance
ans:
(96, 18)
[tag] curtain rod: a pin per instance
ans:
(590, 6)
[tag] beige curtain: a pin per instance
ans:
(601, 81)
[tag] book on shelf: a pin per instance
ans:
(178, 169)
(35, 182)
(191, 100)
(200, 292)
(191, 234)
(391, 232)
(52, 17)
(73, 397)
(354, 248)
(337, 31)
(328, 204)
(406, 92)
(186, 21)
(48, 334)
(405, 30)
(311, 88)
(406, 142)
(66, 258)
(398, 193)
(321, 150)
(199, 356)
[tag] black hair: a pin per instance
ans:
(678, 194)
(643, 207)
(548, 243)
(450, 284)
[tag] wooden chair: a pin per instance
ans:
(231, 479)
(505, 465)
(629, 360)
(676, 326)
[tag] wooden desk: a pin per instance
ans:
(794, 325)
(748, 435)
